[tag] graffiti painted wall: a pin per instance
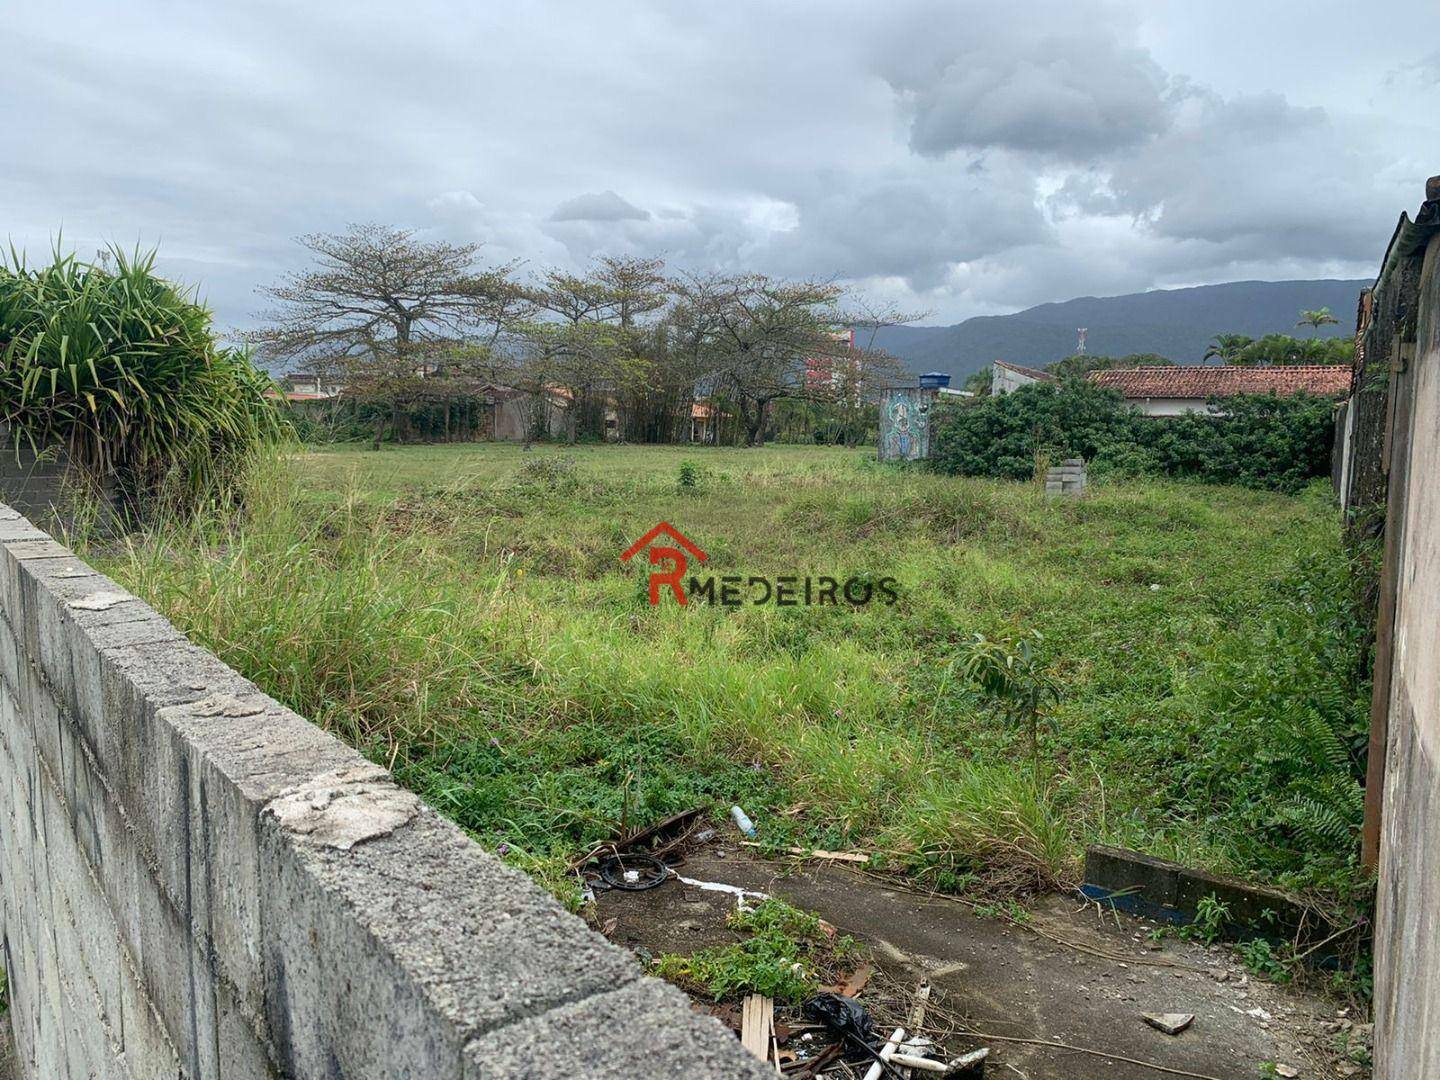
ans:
(905, 424)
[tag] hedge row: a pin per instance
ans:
(1260, 441)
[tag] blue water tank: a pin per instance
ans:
(934, 380)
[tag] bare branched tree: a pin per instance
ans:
(384, 312)
(764, 339)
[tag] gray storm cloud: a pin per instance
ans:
(958, 156)
(598, 206)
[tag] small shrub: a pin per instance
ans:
(559, 475)
(788, 955)
(122, 370)
(1125, 461)
(1261, 959)
(1211, 917)
(1008, 670)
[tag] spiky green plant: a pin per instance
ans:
(121, 370)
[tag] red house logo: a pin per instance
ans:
(659, 554)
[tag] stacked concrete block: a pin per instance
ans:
(197, 882)
(1067, 480)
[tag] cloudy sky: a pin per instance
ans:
(962, 157)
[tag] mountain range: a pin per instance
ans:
(1177, 324)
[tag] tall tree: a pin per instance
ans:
(599, 317)
(385, 313)
(1227, 347)
(1278, 350)
(1316, 319)
(764, 339)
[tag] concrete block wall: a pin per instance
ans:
(32, 483)
(197, 882)
(1066, 479)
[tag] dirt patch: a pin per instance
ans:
(1074, 974)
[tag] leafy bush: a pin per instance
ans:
(1001, 436)
(1008, 670)
(1281, 729)
(1260, 440)
(121, 370)
(787, 956)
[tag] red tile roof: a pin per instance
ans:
(1324, 380)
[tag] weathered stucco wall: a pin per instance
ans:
(1408, 924)
(197, 882)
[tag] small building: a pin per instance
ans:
(704, 423)
(1175, 391)
(518, 415)
(1005, 377)
(905, 416)
(309, 386)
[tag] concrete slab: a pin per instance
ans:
(1004, 980)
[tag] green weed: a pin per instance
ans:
(786, 954)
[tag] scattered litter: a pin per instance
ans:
(1169, 1023)
(1287, 1071)
(633, 873)
(847, 1018)
(704, 836)
(924, 1064)
(891, 1047)
(657, 840)
(917, 1011)
(970, 1060)
(742, 821)
(1259, 1013)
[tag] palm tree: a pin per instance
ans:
(1227, 347)
(1317, 319)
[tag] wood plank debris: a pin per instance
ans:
(917, 1010)
(757, 1025)
(817, 853)
(857, 980)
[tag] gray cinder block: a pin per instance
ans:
(197, 881)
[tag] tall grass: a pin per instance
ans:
(477, 631)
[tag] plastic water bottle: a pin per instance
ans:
(742, 821)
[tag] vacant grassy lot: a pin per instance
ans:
(461, 613)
